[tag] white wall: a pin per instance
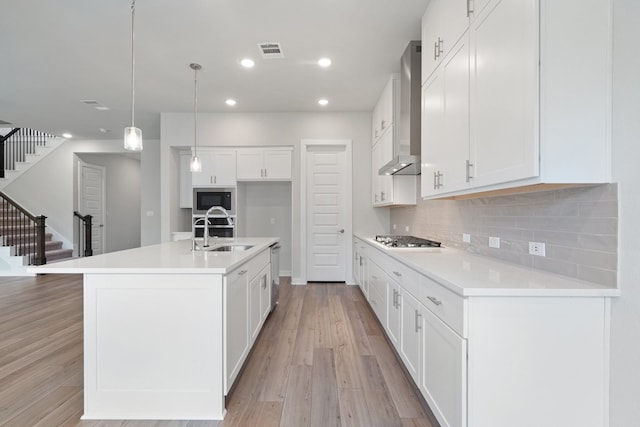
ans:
(49, 188)
(122, 216)
(150, 193)
(281, 129)
(625, 311)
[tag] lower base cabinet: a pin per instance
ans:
(444, 371)
(247, 304)
(490, 360)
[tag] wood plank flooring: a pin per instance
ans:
(321, 360)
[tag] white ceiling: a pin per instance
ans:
(56, 53)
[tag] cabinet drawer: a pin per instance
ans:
(448, 306)
(406, 277)
(257, 263)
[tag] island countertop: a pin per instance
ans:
(171, 257)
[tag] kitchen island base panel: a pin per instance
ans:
(152, 346)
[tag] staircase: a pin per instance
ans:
(21, 149)
(18, 241)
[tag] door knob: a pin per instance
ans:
(341, 231)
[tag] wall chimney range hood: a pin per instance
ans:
(406, 149)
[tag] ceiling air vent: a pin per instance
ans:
(271, 50)
(96, 104)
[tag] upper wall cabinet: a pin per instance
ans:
(218, 168)
(268, 164)
(535, 108)
(386, 109)
(387, 190)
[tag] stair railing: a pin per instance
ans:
(19, 142)
(22, 230)
(84, 234)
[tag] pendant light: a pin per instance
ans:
(195, 165)
(132, 134)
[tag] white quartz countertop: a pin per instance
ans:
(169, 258)
(472, 275)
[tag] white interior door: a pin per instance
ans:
(327, 214)
(92, 202)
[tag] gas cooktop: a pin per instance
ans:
(406, 242)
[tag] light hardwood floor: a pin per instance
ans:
(321, 360)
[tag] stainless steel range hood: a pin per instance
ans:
(406, 148)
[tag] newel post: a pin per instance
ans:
(40, 227)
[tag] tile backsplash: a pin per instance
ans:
(579, 227)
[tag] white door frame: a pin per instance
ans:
(82, 163)
(305, 144)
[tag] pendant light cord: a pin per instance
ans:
(195, 112)
(133, 63)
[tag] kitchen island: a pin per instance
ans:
(166, 328)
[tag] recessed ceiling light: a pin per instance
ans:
(247, 63)
(103, 130)
(67, 135)
(323, 102)
(230, 102)
(324, 62)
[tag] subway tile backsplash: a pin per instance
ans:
(578, 225)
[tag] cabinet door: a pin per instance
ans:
(504, 88)
(265, 293)
(394, 303)
(444, 371)
(443, 24)
(250, 164)
(376, 182)
(445, 126)
(186, 188)
(387, 106)
(378, 292)
(277, 164)
(432, 134)
(255, 315)
(223, 168)
(237, 323)
(411, 335)
(205, 176)
(385, 154)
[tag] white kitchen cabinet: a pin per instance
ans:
(218, 168)
(186, 188)
(529, 113)
(237, 326)
(360, 261)
(443, 23)
(378, 291)
(387, 109)
(259, 301)
(445, 124)
(394, 304)
(494, 357)
(244, 290)
(390, 190)
(411, 335)
(444, 371)
(264, 164)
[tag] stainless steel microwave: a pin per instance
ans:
(204, 198)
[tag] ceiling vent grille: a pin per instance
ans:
(93, 103)
(271, 50)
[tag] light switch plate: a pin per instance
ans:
(466, 238)
(494, 242)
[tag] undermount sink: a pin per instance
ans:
(223, 248)
(232, 248)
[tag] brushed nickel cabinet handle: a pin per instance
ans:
(434, 300)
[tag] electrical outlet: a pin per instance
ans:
(466, 238)
(537, 248)
(406, 228)
(394, 226)
(494, 242)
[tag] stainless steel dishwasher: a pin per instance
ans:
(275, 274)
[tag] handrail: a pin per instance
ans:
(23, 230)
(86, 231)
(19, 142)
